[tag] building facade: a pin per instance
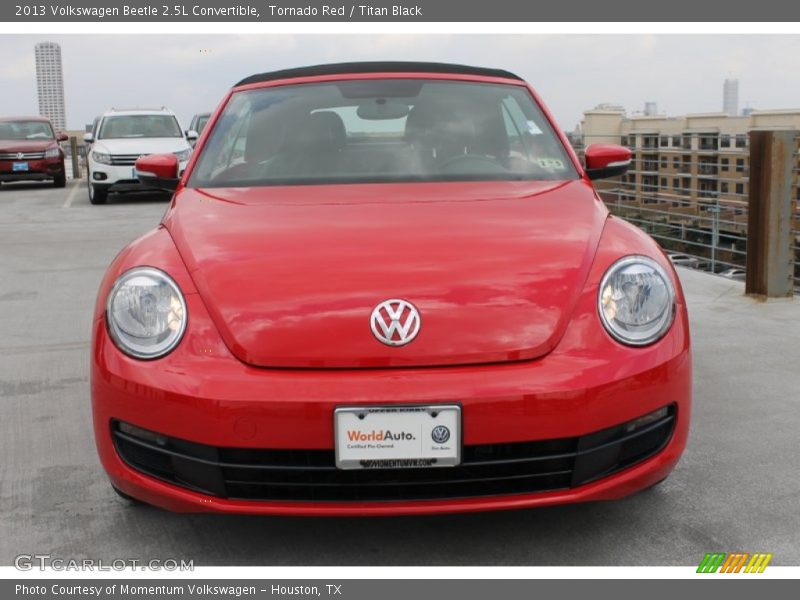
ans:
(696, 160)
(50, 84)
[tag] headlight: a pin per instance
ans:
(184, 155)
(146, 313)
(101, 157)
(53, 152)
(636, 301)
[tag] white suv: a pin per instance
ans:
(120, 137)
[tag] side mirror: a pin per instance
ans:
(192, 135)
(88, 138)
(606, 160)
(62, 137)
(159, 171)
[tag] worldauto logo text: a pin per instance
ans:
(355, 435)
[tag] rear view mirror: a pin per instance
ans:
(606, 160)
(62, 137)
(382, 109)
(88, 138)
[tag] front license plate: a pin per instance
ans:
(398, 437)
(19, 166)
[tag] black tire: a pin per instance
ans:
(129, 499)
(97, 194)
(60, 181)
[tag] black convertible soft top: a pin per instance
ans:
(376, 67)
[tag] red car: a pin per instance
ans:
(29, 151)
(387, 288)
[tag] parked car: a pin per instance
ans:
(198, 124)
(734, 273)
(29, 151)
(684, 260)
(403, 297)
(122, 136)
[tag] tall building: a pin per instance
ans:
(650, 109)
(50, 84)
(730, 97)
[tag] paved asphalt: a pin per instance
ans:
(736, 488)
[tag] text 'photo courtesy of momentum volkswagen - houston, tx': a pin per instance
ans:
(387, 288)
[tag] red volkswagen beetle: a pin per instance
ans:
(387, 288)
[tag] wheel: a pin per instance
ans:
(97, 195)
(60, 181)
(129, 499)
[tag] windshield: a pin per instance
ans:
(386, 130)
(201, 123)
(26, 130)
(139, 126)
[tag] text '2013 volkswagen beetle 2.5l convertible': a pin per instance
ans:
(387, 288)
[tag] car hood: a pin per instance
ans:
(291, 275)
(140, 145)
(26, 145)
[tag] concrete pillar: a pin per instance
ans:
(770, 214)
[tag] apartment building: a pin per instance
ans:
(698, 160)
(50, 83)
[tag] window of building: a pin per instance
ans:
(724, 164)
(676, 163)
(664, 141)
(624, 140)
(664, 162)
(740, 165)
(723, 187)
(740, 188)
(741, 140)
(676, 141)
(725, 140)
(663, 182)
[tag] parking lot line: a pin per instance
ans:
(71, 195)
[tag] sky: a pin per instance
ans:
(191, 73)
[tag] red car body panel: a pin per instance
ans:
(505, 274)
(496, 283)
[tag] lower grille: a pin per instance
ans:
(21, 155)
(311, 475)
(124, 160)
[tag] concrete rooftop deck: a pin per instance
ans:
(736, 488)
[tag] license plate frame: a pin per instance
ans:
(427, 449)
(20, 167)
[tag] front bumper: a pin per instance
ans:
(38, 170)
(119, 178)
(201, 394)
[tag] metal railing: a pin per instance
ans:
(705, 216)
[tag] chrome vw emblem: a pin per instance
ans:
(395, 322)
(440, 434)
(20, 155)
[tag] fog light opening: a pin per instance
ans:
(142, 434)
(646, 420)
